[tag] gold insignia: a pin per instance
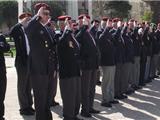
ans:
(71, 44)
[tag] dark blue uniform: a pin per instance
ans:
(4, 47)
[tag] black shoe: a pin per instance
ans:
(54, 104)
(114, 102)
(156, 76)
(121, 97)
(76, 118)
(94, 111)
(137, 87)
(99, 83)
(106, 104)
(2, 118)
(87, 115)
(124, 96)
(27, 111)
(31, 109)
(129, 92)
(142, 84)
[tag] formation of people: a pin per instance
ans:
(126, 53)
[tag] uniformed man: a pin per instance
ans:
(93, 31)
(4, 47)
(21, 61)
(158, 38)
(89, 65)
(119, 57)
(155, 52)
(107, 50)
(40, 44)
(148, 43)
(69, 71)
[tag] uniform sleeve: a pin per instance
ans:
(4, 46)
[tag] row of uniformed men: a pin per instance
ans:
(123, 52)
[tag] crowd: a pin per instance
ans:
(126, 53)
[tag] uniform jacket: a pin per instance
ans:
(4, 47)
(40, 45)
(88, 50)
(20, 44)
(129, 49)
(119, 46)
(107, 48)
(68, 55)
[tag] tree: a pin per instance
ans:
(147, 16)
(8, 13)
(156, 10)
(118, 8)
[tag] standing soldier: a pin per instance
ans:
(40, 45)
(155, 51)
(4, 47)
(53, 62)
(148, 43)
(69, 71)
(158, 38)
(21, 61)
(89, 66)
(93, 31)
(107, 50)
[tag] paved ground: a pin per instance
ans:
(144, 104)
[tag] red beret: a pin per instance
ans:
(23, 15)
(82, 15)
(63, 17)
(104, 18)
(39, 5)
(116, 19)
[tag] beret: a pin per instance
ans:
(82, 15)
(39, 5)
(63, 17)
(23, 15)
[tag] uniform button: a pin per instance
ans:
(49, 50)
(45, 41)
(46, 45)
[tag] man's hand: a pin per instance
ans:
(119, 24)
(40, 12)
(109, 23)
(85, 21)
(67, 25)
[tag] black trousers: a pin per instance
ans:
(41, 88)
(3, 82)
(142, 72)
(23, 87)
(53, 76)
(89, 79)
(71, 95)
